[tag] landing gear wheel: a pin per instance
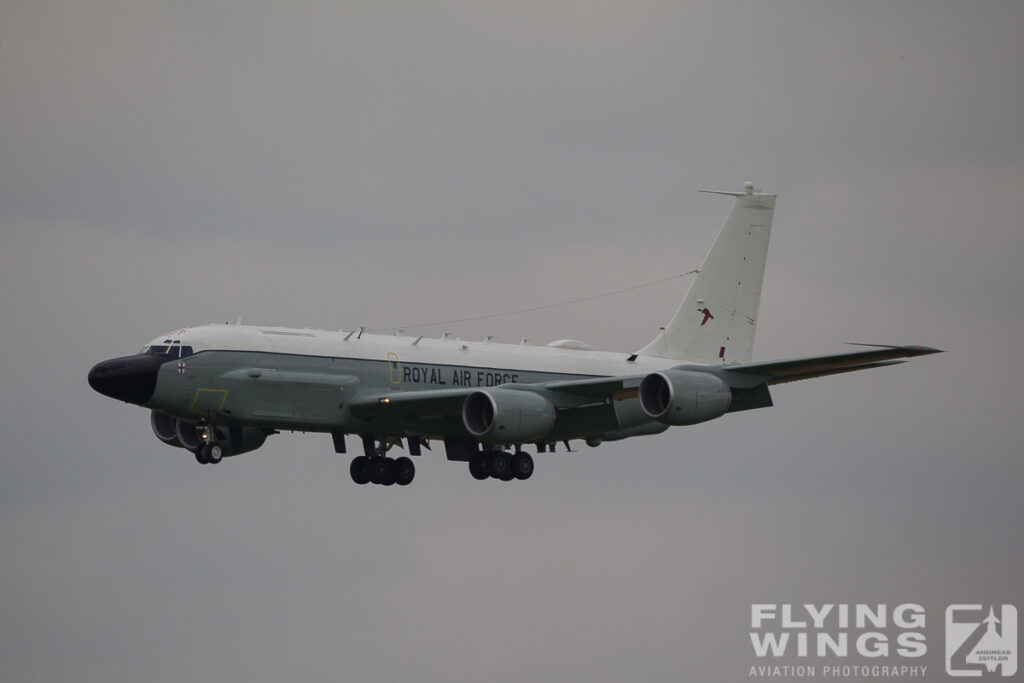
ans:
(478, 467)
(201, 455)
(404, 471)
(389, 478)
(214, 453)
(378, 470)
(522, 465)
(382, 471)
(360, 470)
(497, 464)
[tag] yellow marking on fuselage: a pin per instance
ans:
(395, 366)
(195, 399)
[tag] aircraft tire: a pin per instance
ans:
(404, 471)
(214, 453)
(522, 466)
(389, 468)
(478, 467)
(379, 469)
(497, 464)
(360, 470)
(200, 453)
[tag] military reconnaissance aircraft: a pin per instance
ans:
(220, 390)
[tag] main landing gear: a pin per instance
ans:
(375, 467)
(501, 465)
(382, 470)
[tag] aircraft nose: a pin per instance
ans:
(130, 378)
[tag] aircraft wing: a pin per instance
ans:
(437, 407)
(431, 405)
(792, 370)
(437, 402)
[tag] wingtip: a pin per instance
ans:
(911, 350)
(922, 350)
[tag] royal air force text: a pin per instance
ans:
(456, 377)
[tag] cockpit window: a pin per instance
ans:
(170, 351)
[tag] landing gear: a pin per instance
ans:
(478, 467)
(360, 470)
(497, 464)
(500, 465)
(382, 470)
(404, 471)
(209, 453)
(522, 465)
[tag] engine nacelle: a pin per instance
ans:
(181, 434)
(165, 428)
(684, 397)
(507, 416)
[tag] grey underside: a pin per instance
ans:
(325, 394)
(385, 398)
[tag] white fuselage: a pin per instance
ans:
(407, 349)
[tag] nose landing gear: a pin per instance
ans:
(202, 439)
(209, 453)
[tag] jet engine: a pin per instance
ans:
(182, 434)
(683, 397)
(507, 416)
(165, 428)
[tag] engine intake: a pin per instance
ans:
(684, 397)
(506, 416)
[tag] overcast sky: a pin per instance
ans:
(336, 164)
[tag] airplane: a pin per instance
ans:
(219, 390)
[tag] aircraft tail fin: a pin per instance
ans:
(717, 319)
